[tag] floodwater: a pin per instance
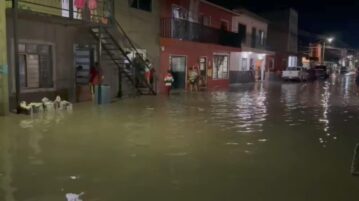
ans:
(258, 142)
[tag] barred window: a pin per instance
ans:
(36, 67)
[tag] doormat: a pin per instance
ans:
(355, 164)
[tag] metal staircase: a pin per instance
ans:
(116, 45)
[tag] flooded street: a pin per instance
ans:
(258, 142)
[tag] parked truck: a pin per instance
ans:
(295, 73)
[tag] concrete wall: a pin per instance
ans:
(217, 14)
(62, 38)
(283, 30)
(251, 23)
(4, 101)
(142, 27)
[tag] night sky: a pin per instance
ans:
(320, 17)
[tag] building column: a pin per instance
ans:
(4, 93)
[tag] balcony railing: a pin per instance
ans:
(65, 8)
(186, 30)
(254, 42)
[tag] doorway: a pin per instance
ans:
(258, 67)
(178, 67)
(203, 72)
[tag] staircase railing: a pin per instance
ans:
(126, 42)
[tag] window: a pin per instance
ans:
(224, 25)
(242, 31)
(292, 61)
(220, 67)
(205, 20)
(35, 66)
(254, 37)
(244, 65)
(145, 5)
(179, 12)
(261, 37)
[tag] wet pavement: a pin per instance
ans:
(258, 142)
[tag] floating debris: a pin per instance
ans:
(232, 143)
(262, 140)
(74, 197)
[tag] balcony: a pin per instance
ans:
(254, 42)
(190, 31)
(65, 10)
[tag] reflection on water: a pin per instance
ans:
(256, 142)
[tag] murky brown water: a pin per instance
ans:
(274, 142)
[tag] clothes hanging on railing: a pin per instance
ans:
(80, 4)
(92, 4)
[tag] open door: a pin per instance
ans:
(178, 67)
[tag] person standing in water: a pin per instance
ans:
(193, 79)
(168, 82)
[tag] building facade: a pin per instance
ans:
(54, 40)
(283, 38)
(197, 34)
(250, 64)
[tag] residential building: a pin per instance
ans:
(250, 64)
(283, 38)
(54, 40)
(197, 33)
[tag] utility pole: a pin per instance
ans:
(99, 60)
(4, 88)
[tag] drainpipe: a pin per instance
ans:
(16, 56)
(99, 55)
(4, 90)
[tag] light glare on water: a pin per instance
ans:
(257, 142)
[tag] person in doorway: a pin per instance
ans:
(148, 69)
(92, 5)
(139, 67)
(152, 76)
(95, 78)
(168, 82)
(193, 79)
(80, 5)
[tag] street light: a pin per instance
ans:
(329, 40)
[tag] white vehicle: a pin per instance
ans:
(295, 73)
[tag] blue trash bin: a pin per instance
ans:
(105, 96)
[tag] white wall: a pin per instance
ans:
(235, 61)
(250, 22)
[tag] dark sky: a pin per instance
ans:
(337, 18)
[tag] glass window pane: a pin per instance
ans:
(21, 47)
(22, 65)
(46, 78)
(31, 48)
(220, 68)
(33, 80)
(44, 49)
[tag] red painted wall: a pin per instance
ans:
(193, 51)
(216, 14)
